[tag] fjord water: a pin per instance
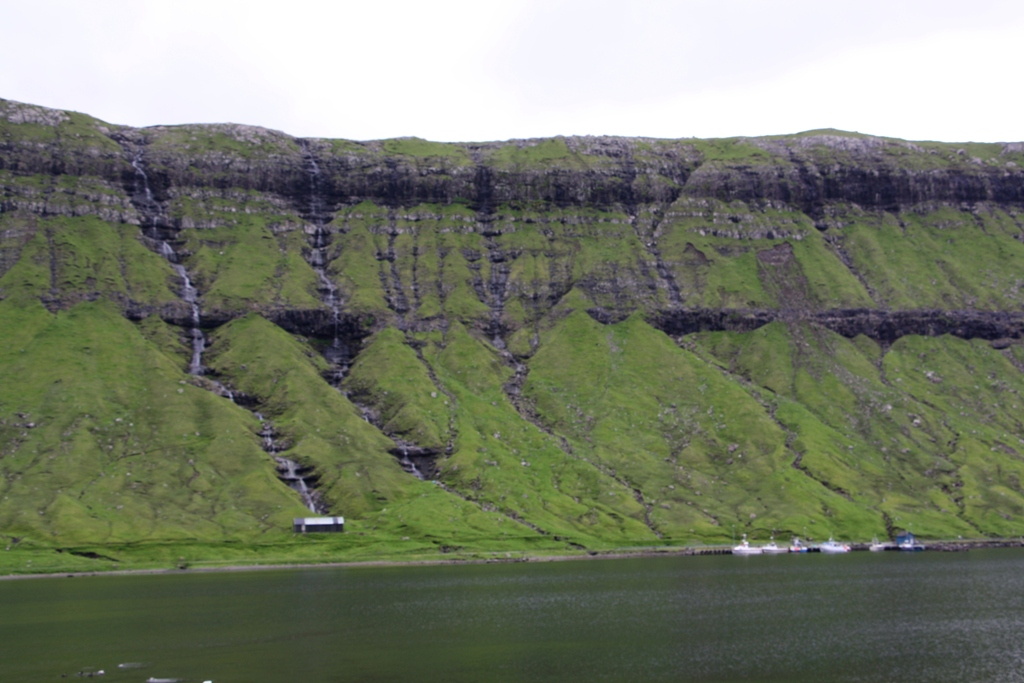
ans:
(860, 617)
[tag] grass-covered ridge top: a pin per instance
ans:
(810, 170)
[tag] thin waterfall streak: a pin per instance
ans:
(150, 205)
(409, 466)
(289, 471)
(319, 259)
(189, 293)
(224, 391)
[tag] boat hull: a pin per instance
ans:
(833, 549)
(746, 550)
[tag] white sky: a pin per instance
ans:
(495, 69)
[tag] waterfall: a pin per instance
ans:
(150, 203)
(189, 293)
(225, 392)
(289, 471)
(318, 258)
(408, 465)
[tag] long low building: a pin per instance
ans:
(317, 525)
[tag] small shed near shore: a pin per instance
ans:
(318, 525)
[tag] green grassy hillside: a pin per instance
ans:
(579, 344)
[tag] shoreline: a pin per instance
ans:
(938, 546)
(356, 564)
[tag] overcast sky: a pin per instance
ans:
(494, 69)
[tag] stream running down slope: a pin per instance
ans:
(290, 472)
(299, 478)
(318, 257)
(337, 353)
(149, 209)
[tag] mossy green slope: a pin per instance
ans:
(886, 430)
(389, 377)
(104, 440)
(702, 450)
(318, 426)
(501, 308)
(248, 261)
(719, 254)
(938, 257)
(74, 259)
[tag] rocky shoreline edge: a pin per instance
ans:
(941, 546)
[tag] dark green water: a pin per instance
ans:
(926, 617)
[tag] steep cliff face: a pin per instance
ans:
(590, 341)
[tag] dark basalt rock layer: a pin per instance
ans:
(807, 171)
(810, 173)
(880, 325)
(619, 172)
(817, 174)
(825, 176)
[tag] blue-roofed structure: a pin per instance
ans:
(907, 541)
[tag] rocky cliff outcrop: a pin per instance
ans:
(726, 192)
(882, 326)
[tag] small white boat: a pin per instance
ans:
(797, 547)
(832, 547)
(770, 548)
(745, 548)
(876, 546)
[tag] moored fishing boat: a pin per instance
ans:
(797, 547)
(833, 547)
(771, 548)
(744, 548)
